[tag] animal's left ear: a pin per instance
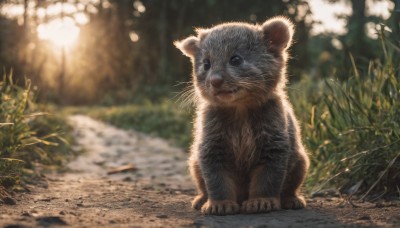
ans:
(188, 46)
(278, 33)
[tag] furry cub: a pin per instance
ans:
(247, 153)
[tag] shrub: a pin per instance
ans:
(27, 137)
(354, 133)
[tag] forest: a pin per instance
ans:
(114, 61)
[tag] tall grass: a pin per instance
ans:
(353, 129)
(27, 136)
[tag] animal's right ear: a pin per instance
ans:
(278, 33)
(188, 46)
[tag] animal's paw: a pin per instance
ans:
(260, 205)
(293, 202)
(199, 201)
(224, 207)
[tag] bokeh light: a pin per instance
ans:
(61, 32)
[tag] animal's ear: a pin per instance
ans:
(202, 33)
(278, 33)
(188, 46)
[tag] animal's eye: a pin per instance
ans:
(236, 60)
(206, 64)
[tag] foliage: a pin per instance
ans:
(354, 133)
(164, 119)
(27, 137)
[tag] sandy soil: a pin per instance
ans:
(156, 192)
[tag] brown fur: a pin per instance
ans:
(243, 144)
(259, 205)
(221, 207)
(247, 147)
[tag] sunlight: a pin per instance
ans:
(379, 8)
(81, 18)
(61, 32)
(326, 13)
(11, 10)
(57, 8)
(134, 36)
(139, 6)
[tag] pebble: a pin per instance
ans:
(25, 213)
(50, 220)
(365, 217)
(9, 201)
(15, 226)
(162, 216)
(127, 179)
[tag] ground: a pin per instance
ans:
(154, 191)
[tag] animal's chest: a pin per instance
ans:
(241, 138)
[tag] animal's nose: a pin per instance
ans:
(216, 80)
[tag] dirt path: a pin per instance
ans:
(157, 193)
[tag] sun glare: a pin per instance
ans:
(61, 32)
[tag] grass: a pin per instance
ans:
(28, 137)
(165, 119)
(352, 127)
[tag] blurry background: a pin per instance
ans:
(108, 51)
(115, 59)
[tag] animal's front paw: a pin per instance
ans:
(199, 201)
(260, 205)
(224, 207)
(293, 202)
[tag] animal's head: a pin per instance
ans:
(238, 63)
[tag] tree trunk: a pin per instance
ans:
(163, 39)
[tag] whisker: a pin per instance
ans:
(187, 97)
(178, 83)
